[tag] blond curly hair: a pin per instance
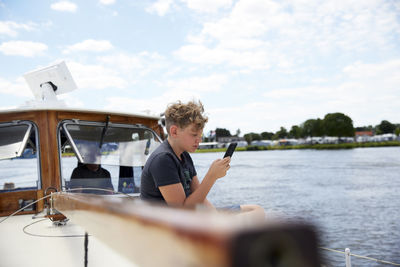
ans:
(183, 115)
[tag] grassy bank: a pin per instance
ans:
(316, 146)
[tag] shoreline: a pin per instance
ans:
(315, 146)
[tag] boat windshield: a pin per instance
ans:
(19, 162)
(104, 155)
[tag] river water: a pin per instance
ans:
(350, 195)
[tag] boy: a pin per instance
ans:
(169, 174)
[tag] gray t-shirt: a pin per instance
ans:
(164, 168)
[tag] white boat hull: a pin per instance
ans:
(50, 247)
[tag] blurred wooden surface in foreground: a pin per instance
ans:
(150, 235)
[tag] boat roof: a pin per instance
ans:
(81, 110)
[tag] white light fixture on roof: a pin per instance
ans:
(48, 82)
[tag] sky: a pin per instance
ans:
(256, 65)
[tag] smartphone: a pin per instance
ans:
(230, 150)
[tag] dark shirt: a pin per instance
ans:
(83, 177)
(82, 172)
(164, 168)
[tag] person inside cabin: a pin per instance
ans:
(83, 171)
(91, 174)
(169, 175)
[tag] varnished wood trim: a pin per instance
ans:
(9, 201)
(102, 117)
(40, 204)
(151, 235)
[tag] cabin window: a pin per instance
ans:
(106, 156)
(19, 161)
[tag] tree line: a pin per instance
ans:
(333, 124)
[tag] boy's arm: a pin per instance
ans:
(175, 195)
(194, 185)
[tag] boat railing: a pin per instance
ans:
(348, 255)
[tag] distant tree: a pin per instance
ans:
(312, 127)
(364, 128)
(386, 127)
(222, 132)
(319, 128)
(295, 132)
(237, 132)
(306, 128)
(282, 133)
(397, 131)
(338, 124)
(251, 137)
(266, 135)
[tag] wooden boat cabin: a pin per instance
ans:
(40, 149)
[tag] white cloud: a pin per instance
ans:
(248, 117)
(354, 94)
(212, 83)
(107, 2)
(251, 59)
(96, 76)
(368, 93)
(135, 105)
(18, 87)
(10, 28)
(122, 61)
(180, 89)
(207, 5)
(156, 105)
(236, 39)
(89, 46)
(65, 6)
(72, 100)
(250, 18)
(141, 63)
(160, 7)
(389, 69)
(284, 34)
(254, 116)
(7, 107)
(22, 48)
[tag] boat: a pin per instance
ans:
(48, 216)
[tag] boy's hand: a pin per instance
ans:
(219, 168)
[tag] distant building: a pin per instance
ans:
(384, 137)
(330, 140)
(205, 145)
(312, 140)
(242, 143)
(230, 139)
(364, 136)
(262, 143)
(364, 133)
(288, 142)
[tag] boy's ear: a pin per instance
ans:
(173, 130)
